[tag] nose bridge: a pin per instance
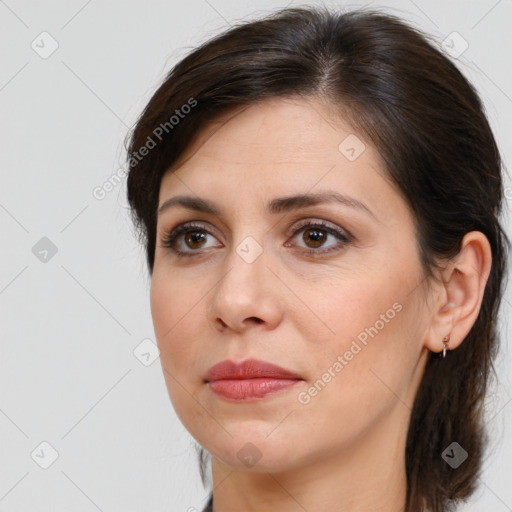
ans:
(246, 268)
(247, 289)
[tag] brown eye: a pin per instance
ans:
(315, 236)
(187, 239)
(194, 239)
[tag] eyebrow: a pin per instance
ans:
(276, 206)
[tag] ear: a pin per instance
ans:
(457, 301)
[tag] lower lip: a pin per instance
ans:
(250, 389)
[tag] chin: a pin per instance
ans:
(258, 452)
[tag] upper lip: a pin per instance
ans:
(248, 369)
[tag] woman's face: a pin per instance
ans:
(332, 291)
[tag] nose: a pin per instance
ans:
(246, 294)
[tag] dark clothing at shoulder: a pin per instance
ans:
(209, 505)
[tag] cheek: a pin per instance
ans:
(367, 349)
(176, 327)
(360, 307)
(174, 312)
(356, 385)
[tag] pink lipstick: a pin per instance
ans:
(249, 380)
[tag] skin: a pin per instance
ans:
(344, 449)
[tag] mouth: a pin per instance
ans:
(249, 380)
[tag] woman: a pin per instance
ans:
(319, 197)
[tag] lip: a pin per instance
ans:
(249, 380)
(248, 369)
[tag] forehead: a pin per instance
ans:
(279, 147)
(274, 130)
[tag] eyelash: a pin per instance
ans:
(168, 240)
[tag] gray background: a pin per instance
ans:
(73, 371)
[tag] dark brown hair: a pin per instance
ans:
(426, 120)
